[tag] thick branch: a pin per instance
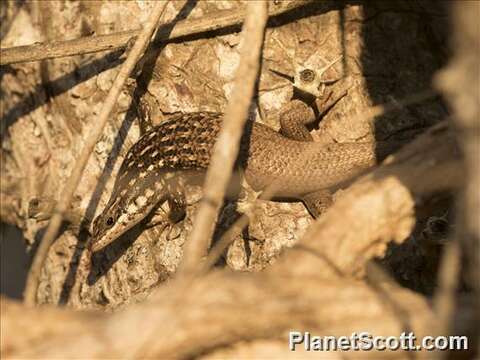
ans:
(232, 307)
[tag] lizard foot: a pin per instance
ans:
(317, 202)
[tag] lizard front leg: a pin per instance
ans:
(171, 217)
(175, 213)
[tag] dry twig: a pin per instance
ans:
(86, 45)
(65, 198)
(226, 148)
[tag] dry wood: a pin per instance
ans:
(86, 45)
(67, 194)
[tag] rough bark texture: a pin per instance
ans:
(391, 50)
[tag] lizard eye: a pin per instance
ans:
(109, 221)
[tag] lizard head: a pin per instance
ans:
(114, 221)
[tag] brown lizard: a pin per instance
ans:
(298, 167)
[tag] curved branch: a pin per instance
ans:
(181, 324)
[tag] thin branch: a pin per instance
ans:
(394, 105)
(91, 44)
(236, 228)
(66, 197)
(227, 146)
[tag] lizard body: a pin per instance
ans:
(149, 173)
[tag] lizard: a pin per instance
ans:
(155, 167)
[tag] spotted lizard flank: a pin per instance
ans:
(154, 168)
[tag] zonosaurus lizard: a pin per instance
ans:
(298, 167)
